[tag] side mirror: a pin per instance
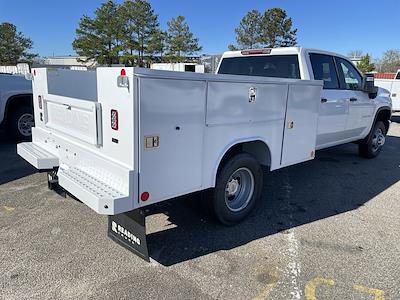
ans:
(369, 86)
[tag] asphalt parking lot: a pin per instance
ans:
(326, 229)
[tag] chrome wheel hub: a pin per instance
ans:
(239, 189)
(232, 187)
(25, 124)
(378, 139)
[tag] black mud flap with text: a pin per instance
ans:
(129, 230)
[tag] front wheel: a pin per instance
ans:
(372, 145)
(238, 188)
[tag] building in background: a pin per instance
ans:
(355, 59)
(210, 62)
(70, 61)
(379, 75)
(181, 67)
(22, 68)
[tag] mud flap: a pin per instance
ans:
(129, 230)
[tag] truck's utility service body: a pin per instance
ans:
(172, 132)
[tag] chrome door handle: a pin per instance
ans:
(324, 100)
(353, 99)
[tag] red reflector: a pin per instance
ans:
(114, 119)
(256, 51)
(123, 72)
(144, 196)
(34, 72)
(40, 102)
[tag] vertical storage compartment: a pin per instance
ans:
(171, 136)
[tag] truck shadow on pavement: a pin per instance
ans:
(12, 166)
(337, 181)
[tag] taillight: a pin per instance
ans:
(114, 119)
(145, 196)
(40, 102)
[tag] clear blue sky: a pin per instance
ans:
(339, 26)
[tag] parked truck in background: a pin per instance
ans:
(124, 138)
(16, 108)
(392, 86)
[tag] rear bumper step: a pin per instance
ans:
(92, 191)
(37, 156)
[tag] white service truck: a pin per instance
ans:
(16, 109)
(392, 86)
(120, 139)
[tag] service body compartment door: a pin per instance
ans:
(172, 114)
(300, 131)
(76, 118)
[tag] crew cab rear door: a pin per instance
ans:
(334, 101)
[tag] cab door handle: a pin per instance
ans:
(323, 100)
(353, 99)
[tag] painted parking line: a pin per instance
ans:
(379, 294)
(9, 208)
(311, 286)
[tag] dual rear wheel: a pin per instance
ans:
(238, 187)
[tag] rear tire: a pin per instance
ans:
(238, 187)
(372, 145)
(21, 122)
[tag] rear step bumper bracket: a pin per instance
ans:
(129, 230)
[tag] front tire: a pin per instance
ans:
(21, 123)
(373, 144)
(238, 187)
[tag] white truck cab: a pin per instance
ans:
(120, 139)
(347, 112)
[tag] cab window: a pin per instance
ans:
(281, 66)
(351, 77)
(324, 69)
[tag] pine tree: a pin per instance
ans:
(141, 24)
(14, 46)
(100, 38)
(248, 32)
(158, 43)
(365, 64)
(271, 29)
(180, 40)
(277, 29)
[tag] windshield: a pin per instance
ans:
(282, 66)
